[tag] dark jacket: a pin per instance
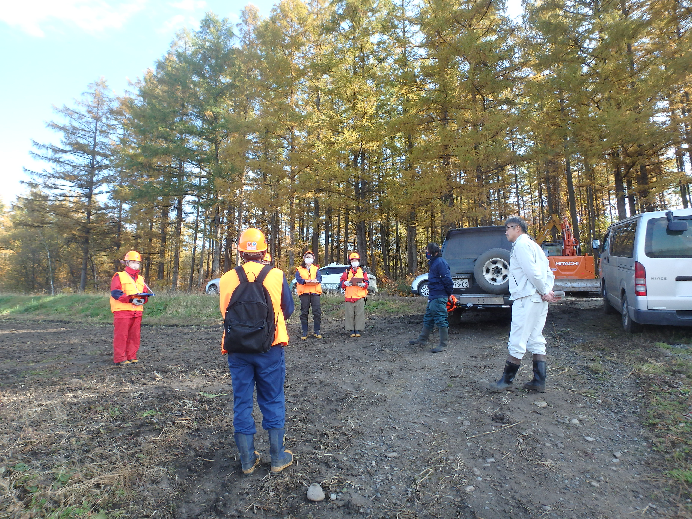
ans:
(439, 279)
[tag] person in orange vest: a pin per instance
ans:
(355, 282)
(264, 371)
(309, 288)
(127, 305)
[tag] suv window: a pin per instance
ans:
(622, 241)
(662, 243)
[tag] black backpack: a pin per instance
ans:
(250, 322)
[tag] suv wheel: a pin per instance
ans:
(607, 307)
(424, 289)
(213, 289)
(492, 271)
(627, 323)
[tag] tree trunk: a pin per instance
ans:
(177, 238)
(619, 187)
(194, 248)
(162, 242)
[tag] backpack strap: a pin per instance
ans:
(242, 276)
(263, 274)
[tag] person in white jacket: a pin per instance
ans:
(531, 288)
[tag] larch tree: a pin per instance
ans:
(80, 166)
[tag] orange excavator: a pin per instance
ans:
(573, 271)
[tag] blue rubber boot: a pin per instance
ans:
(249, 457)
(280, 458)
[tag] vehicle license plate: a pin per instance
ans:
(461, 283)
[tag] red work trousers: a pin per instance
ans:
(126, 327)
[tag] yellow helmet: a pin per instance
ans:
(252, 240)
(133, 255)
(353, 255)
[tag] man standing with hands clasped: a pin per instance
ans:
(531, 288)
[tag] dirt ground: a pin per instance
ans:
(387, 429)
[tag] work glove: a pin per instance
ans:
(361, 285)
(451, 303)
(347, 283)
(138, 301)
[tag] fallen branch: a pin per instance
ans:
(496, 430)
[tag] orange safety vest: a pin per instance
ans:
(354, 291)
(308, 288)
(129, 287)
(274, 283)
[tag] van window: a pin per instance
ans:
(661, 243)
(623, 240)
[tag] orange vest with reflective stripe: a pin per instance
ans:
(354, 291)
(308, 288)
(274, 283)
(129, 287)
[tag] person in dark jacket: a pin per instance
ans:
(440, 285)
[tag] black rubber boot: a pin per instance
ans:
(422, 338)
(507, 377)
(444, 335)
(538, 382)
(249, 457)
(280, 458)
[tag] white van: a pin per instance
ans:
(646, 269)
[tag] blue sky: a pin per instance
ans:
(53, 49)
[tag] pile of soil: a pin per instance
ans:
(388, 430)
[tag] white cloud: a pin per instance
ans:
(176, 22)
(92, 16)
(189, 5)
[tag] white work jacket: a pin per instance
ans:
(529, 270)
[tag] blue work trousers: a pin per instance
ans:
(436, 313)
(267, 372)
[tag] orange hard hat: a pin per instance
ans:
(133, 255)
(308, 252)
(252, 240)
(353, 255)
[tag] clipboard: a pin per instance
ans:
(357, 280)
(143, 294)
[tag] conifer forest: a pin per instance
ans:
(360, 125)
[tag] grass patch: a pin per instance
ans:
(178, 308)
(662, 362)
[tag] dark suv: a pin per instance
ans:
(478, 259)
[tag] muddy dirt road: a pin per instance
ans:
(387, 429)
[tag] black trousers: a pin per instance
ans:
(307, 301)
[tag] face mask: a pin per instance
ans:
(308, 261)
(134, 265)
(355, 264)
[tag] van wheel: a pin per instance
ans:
(607, 307)
(492, 271)
(628, 324)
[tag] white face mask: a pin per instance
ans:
(355, 264)
(308, 261)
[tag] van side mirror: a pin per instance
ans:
(595, 244)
